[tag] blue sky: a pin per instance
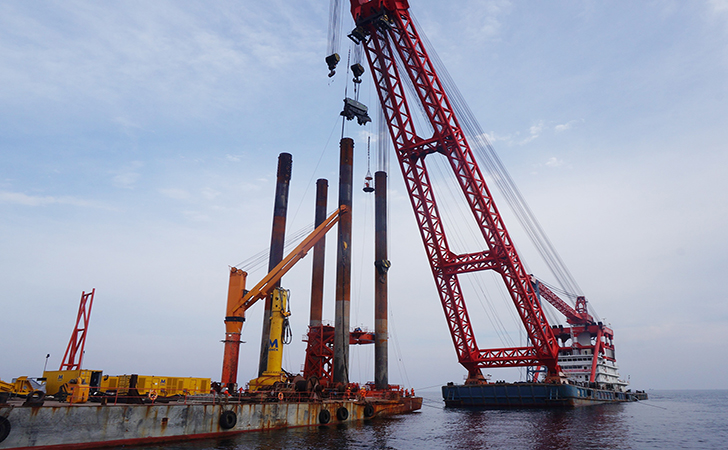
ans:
(138, 145)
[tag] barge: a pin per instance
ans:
(61, 425)
(532, 395)
(90, 410)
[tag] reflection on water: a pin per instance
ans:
(593, 427)
(672, 420)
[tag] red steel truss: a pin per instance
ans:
(386, 30)
(78, 337)
(319, 361)
(320, 353)
(578, 316)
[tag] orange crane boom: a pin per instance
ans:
(240, 300)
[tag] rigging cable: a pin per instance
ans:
(334, 36)
(484, 152)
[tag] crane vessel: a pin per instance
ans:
(86, 409)
(568, 365)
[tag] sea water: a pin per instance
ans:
(668, 420)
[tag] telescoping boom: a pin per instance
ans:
(240, 300)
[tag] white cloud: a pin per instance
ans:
(537, 129)
(554, 162)
(719, 6)
(210, 194)
(127, 177)
(125, 180)
(534, 132)
(484, 20)
(196, 216)
(18, 198)
(174, 193)
(566, 126)
(493, 137)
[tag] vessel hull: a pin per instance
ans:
(59, 426)
(531, 395)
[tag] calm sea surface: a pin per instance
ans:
(668, 420)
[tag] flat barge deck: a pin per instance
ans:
(532, 395)
(59, 425)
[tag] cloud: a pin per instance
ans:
(534, 132)
(566, 126)
(18, 198)
(554, 162)
(719, 6)
(484, 19)
(174, 193)
(493, 137)
(196, 216)
(126, 178)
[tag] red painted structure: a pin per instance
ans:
(319, 361)
(78, 337)
(601, 336)
(387, 33)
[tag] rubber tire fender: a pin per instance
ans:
(4, 428)
(228, 419)
(35, 398)
(368, 410)
(324, 416)
(342, 413)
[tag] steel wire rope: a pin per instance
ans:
(315, 169)
(382, 142)
(335, 27)
(448, 181)
(398, 352)
(493, 163)
(486, 153)
(442, 168)
(493, 316)
(257, 261)
(562, 293)
(360, 284)
(511, 193)
(291, 240)
(454, 211)
(476, 280)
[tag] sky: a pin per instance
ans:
(138, 150)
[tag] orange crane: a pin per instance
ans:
(240, 300)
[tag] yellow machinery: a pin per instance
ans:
(57, 378)
(77, 390)
(19, 386)
(151, 385)
(279, 315)
(240, 300)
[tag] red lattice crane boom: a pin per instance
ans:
(387, 32)
(73, 357)
(574, 316)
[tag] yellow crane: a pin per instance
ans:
(240, 300)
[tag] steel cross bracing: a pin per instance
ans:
(78, 336)
(390, 33)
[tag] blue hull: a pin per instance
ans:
(530, 395)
